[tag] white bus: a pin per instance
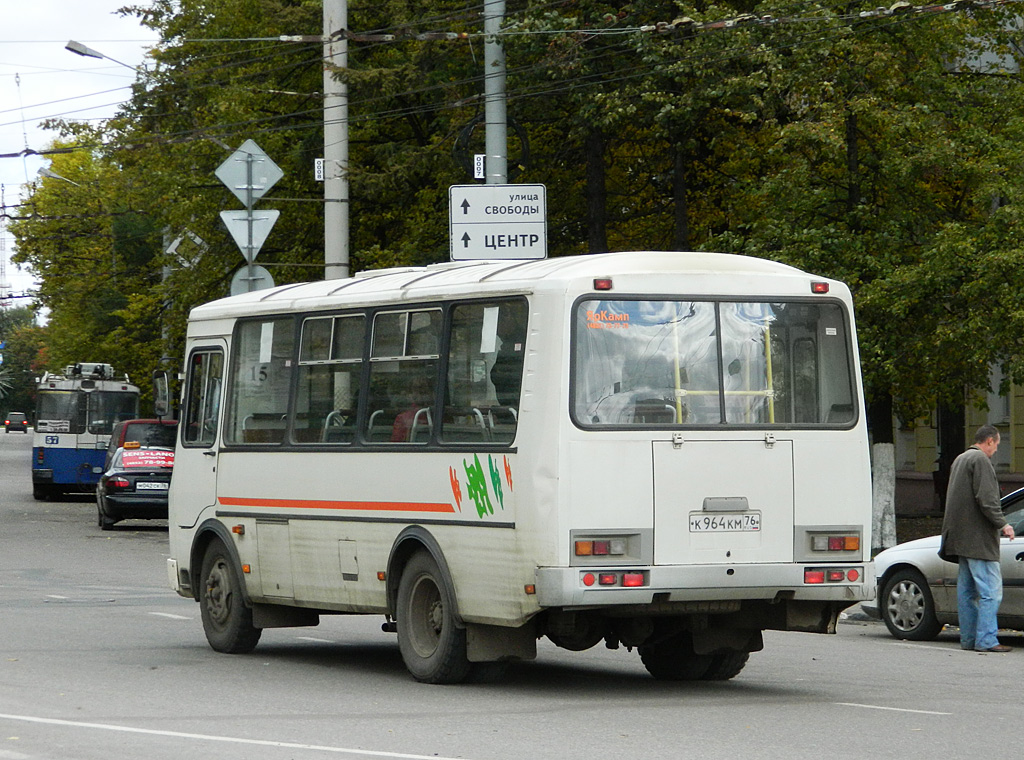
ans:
(665, 451)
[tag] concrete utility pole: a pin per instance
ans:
(336, 207)
(496, 137)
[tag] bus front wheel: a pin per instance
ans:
(433, 647)
(227, 621)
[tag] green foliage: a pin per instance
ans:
(835, 139)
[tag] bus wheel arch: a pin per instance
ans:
(415, 539)
(431, 635)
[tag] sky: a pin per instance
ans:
(39, 79)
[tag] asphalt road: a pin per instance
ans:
(100, 660)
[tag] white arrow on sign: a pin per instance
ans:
(250, 229)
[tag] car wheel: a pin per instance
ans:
(432, 644)
(227, 621)
(908, 608)
(104, 522)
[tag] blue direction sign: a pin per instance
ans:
(497, 222)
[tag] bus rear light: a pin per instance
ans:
(584, 548)
(625, 580)
(600, 547)
(819, 287)
(832, 574)
(823, 542)
(603, 283)
(633, 579)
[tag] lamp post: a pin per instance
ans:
(79, 49)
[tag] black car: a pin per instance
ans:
(134, 485)
(16, 421)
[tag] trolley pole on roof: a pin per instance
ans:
(496, 137)
(336, 207)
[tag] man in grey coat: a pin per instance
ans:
(970, 536)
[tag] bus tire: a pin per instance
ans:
(725, 665)
(673, 659)
(227, 621)
(433, 646)
(40, 492)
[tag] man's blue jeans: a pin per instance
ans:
(979, 590)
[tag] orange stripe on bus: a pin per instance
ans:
(379, 506)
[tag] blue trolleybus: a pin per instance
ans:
(75, 412)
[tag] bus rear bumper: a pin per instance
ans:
(42, 476)
(576, 587)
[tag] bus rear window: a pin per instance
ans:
(702, 363)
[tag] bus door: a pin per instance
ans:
(195, 466)
(721, 501)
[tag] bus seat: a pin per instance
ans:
(422, 426)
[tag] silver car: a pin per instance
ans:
(917, 590)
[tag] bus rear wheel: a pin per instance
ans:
(433, 646)
(227, 621)
(673, 659)
(725, 665)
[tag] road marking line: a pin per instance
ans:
(311, 638)
(223, 739)
(892, 709)
(169, 615)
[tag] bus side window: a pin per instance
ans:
(260, 376)
(403, 376)
(202, 405)
(330, 367)
(485, 371)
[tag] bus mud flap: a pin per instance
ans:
(492, 643)
(812, 617)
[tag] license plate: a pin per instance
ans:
(724, 522)
(151, 486)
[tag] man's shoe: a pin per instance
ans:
(998, 648)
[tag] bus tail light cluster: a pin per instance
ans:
(828, 542)
(819, 575)
(614, 547)
(615, 578)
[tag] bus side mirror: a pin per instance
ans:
(161, 394)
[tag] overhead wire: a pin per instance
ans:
(364, 111)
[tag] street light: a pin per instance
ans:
(79, 49)
(46, 172)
